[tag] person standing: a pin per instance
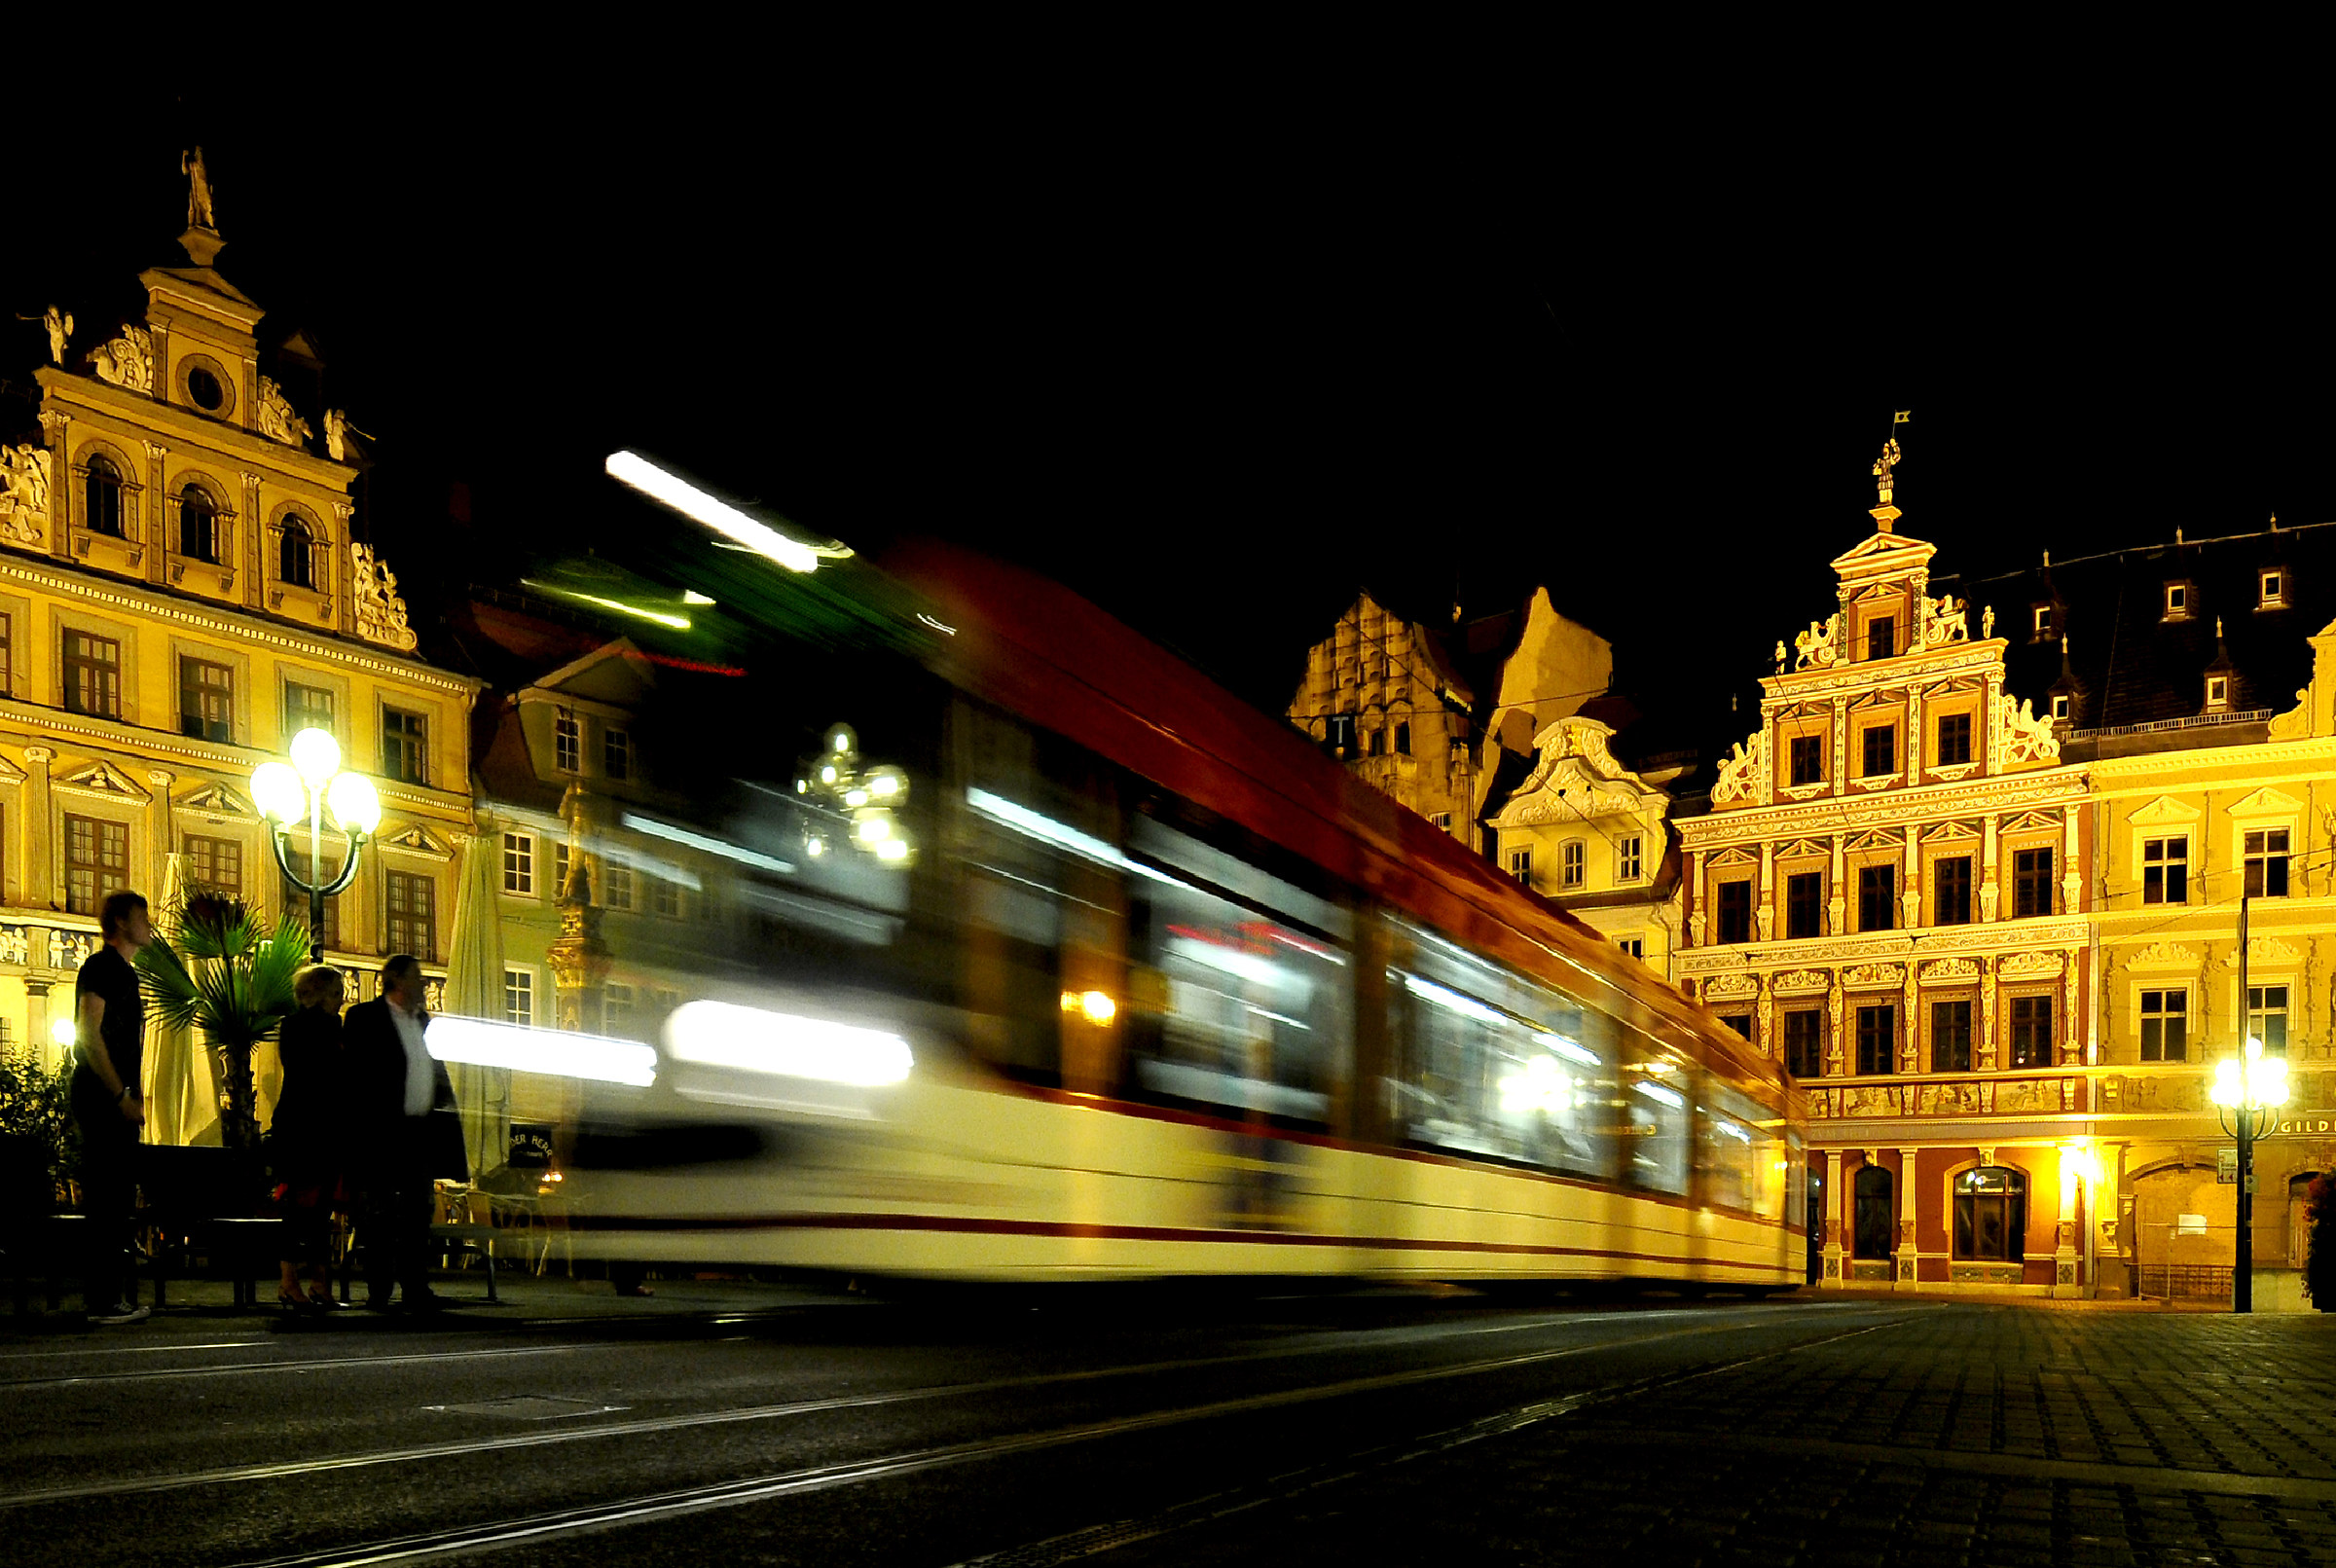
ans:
(109, 1038)
(304, 1141)
(402, 1104)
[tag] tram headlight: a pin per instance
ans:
(754, 1039)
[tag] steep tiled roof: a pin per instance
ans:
(2130, 663)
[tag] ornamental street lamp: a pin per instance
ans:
(2248, 1086)
(307, 786)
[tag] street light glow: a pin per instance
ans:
(719, 515)
(278, 793)
(316, 756)
(355, 804)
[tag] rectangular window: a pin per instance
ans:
(1882, 636)
(1808, 759)
(1628, 861)
(1521, 865)
(2032, 882)
(519, 864)
(413, 903)
(2165, 870)
(2059, 706)
(665, 898)
(2031, 1032)
(1951, 1037)
(1403, 743)
(2267, 864)
(2267, 1017)
(1740, 1022)
(1636, 946)
(296, 899)
(616, 751)
(1735, 912)
(1805, 904)
(1876, 1040)
(1805, 1043)
(1881, 751)
(559, 867)
(2275, 589)
(519, 997)
(2165, 1026)
(216, 863)
(618, 892)
(2177, 602)
(1442, 819)
(2218, 691)
(1951, 895)
(618, 1003)
(307, 707)
(1955, 739)
(206, 700)
(96, 862)
(1877, 897)
(405, 746)
(567, 744)
(1572, 857)
(92, 675)
(8, 645)
(2043, 619)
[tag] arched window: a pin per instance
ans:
(1874, 1224)
(101, 509)
(197, 525)
(1990, 1214)
(295, 556)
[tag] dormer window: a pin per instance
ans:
(2274, 586)
(2218, 694)
(2060, 707)
(1882, 636)
(2040, 623)
(2179, 600)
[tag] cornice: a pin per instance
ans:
(158, 413)
(2058, 934)
(1979, 656)
(248, 627)
(2063, 786)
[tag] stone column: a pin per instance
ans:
(1833, 1216)
(155, 535)
(2072, 881)
(36, 1024)
(1909, 888)
(158, 820)
(60, 484)
(1989, 889)
(1907, 1184)
(42, 887)
(1836, 907)
(1986, 1055)
(1764, 913)
(2070, 1044)
(2064, 1273)
(1833, 1035)
(1694, 899)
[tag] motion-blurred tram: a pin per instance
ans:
(1033, 954)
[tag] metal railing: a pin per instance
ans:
(2186, 1282)
(2253, 715)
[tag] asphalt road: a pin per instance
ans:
(1158, 1426)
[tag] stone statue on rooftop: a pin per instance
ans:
(198, 192)
(60, 327)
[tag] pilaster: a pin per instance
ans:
(42, 887)
(1907, 1187)
(1833, 1204)
(1764, 913)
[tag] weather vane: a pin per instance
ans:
(1890, 455)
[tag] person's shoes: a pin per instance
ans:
(319, 1297)
(423, 1301)
(122, 1312)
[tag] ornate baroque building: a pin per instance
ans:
(1888, 894)
(179, 594)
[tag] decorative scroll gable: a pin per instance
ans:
(381, 612)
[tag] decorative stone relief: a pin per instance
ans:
(1731, 985)
(1819, 646)
(1945, 971)
(1801, 981)
(2029, 967)
(2263, 951)
(2295, 723)
(1742, 772)
(2024, 737)
(23, 494)
(1873, 974)
(276, 420)
(381, 612)
(127, 361)
(13, 948)
(1944, 619)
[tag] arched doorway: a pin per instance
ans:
(1874, 1229)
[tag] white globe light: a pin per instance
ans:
(317, 756)
(61, 1031)
(357, 808)
(278, 793)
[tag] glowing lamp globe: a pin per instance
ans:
(278, 793)
(357, 808)
(316, 756)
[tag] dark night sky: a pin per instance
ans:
(1218, 351)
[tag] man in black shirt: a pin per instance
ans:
(110, 1037)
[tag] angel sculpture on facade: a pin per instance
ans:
(1781, 656)
(59, 326)
(336, 432)
(24, 493)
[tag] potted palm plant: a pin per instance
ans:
(220, 968)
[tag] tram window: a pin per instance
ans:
(1738, 1161)
(1230, 1008)
(1657, 1108)
(1501, 1066)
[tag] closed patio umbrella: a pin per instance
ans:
(182, 1091)
(474, 988)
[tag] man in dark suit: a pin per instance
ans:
(405, 1133)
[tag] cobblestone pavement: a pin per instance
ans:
(1957, 1435)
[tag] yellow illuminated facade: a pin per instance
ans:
(180, 592)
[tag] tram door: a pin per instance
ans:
(1813, 1209)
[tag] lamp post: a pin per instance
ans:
(306, 786)
(2248, 1086)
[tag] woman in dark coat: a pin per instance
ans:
(310, 1128)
